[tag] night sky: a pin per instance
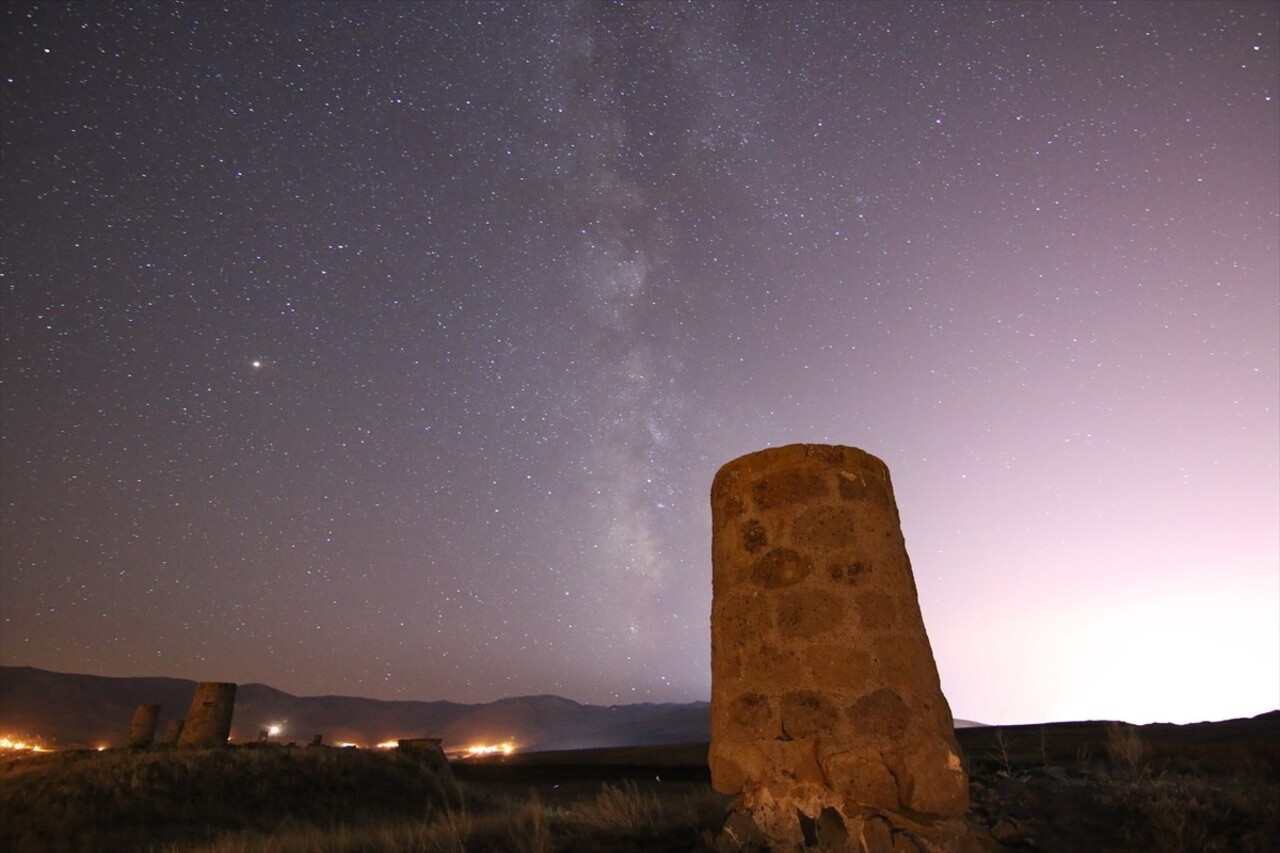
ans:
(389, 349)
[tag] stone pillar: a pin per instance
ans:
(209, 721)
(142, 728)
(172, 731)
(827, 716)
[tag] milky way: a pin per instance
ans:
(389, 349)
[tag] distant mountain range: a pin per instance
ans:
(64, 710)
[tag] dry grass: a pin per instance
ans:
(1177, 807)
(1180, 811)
(618, 818)
(1126, 747)
(280, 800)
(123, 800)
(624, 809)
(324, 801)
(1141, 794)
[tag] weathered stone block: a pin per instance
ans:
(808, 613)
(809, 713)
(780, 567)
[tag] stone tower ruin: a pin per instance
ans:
(827, 717)
(142, 728)
(171, 733)
(208, 722)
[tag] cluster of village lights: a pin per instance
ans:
(505, 748)
(477, 751)
(9, 744)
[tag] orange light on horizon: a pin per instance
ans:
(504, 748)
(8, 743)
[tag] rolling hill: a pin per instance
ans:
(68, 710)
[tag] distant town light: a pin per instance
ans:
(7, 743)
(505, 748)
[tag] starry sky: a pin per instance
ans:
(389, 349)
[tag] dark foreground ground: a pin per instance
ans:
(1090, 787)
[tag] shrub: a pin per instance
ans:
(1126, 747)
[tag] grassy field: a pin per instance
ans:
(1069, 787)
(321, 799)
(138, 800)
(1116, 788)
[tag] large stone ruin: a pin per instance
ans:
(828, 721)
(208, 722)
